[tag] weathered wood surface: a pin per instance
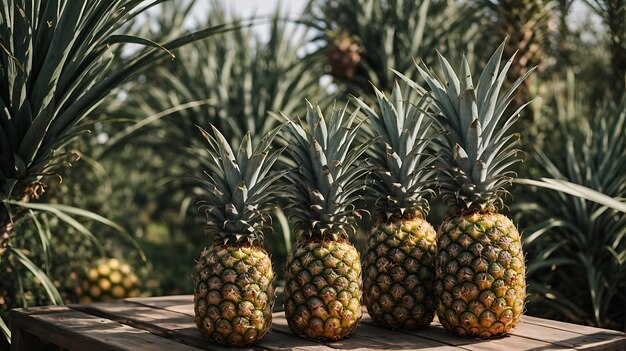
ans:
(166, 323)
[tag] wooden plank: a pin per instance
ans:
(576, 328)
(568, 338)
(172, 325)
(272, 341)
(400, 340)
(369, 338)
(590, 338)
(23, 341)
(182, 328)
(436, 332)
(177, 303)
(73, 330)
(184, 303)
(539, 334)
(276, 341)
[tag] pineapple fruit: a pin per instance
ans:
(344, 56)
(400, 254)
(108, 279)
(233, 291)
(323, 287)
(480, 272)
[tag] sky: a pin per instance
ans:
(249, 8)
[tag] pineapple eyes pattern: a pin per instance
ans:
(108, 279)
(233, 294)
(323, 293)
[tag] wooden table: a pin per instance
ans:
(166, 323)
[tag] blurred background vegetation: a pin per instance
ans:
(134, 165)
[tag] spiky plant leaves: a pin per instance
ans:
(476, 120)
(237, 84)
(400, 252)
(613, 14)
(362, 39)
(55, 58)
(578, 231)
(326, 172)
(238, 188)
(577, 190)
(475, 243)
(56, 66)
(219, 81)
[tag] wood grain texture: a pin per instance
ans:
(166, 323)
(512, 342)
(23, 340)
(75, 330)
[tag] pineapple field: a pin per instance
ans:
(458, 160)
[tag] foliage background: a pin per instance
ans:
(142, 146)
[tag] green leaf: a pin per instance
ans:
(283, 223)
(116, 139)
(63, 212)
(577, 190)
(5, 330)
(44, 238)
(121, 38)
(52, 291)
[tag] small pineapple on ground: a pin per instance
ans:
(323, 286)
(480, 272)
(233, 292)
(108, 279)
(400, 254)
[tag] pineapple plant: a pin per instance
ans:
(344, 56)
(399, 270)
(480, 270)
(58, 61)
(108, 279)
(584, 280)
(233, 291)
(360, 39)
(323, 286)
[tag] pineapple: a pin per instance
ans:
(344, 56)
(400, 254)
(108, 279)
(480, 272)
(233, 292)
(323, 287)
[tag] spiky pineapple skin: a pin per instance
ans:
(323, 289)
(400, 273)
(480, 275)
(108, 279)
(233, 294)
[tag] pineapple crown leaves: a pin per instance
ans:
(239, 188)
(476, 150)
(399, 159)
(326, 181)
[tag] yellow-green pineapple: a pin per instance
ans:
(108, 279)
(399, 271)
(480, 272)
(233, 291)
(323, 286)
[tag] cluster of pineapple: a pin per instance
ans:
(108, 279)
(454, 139)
